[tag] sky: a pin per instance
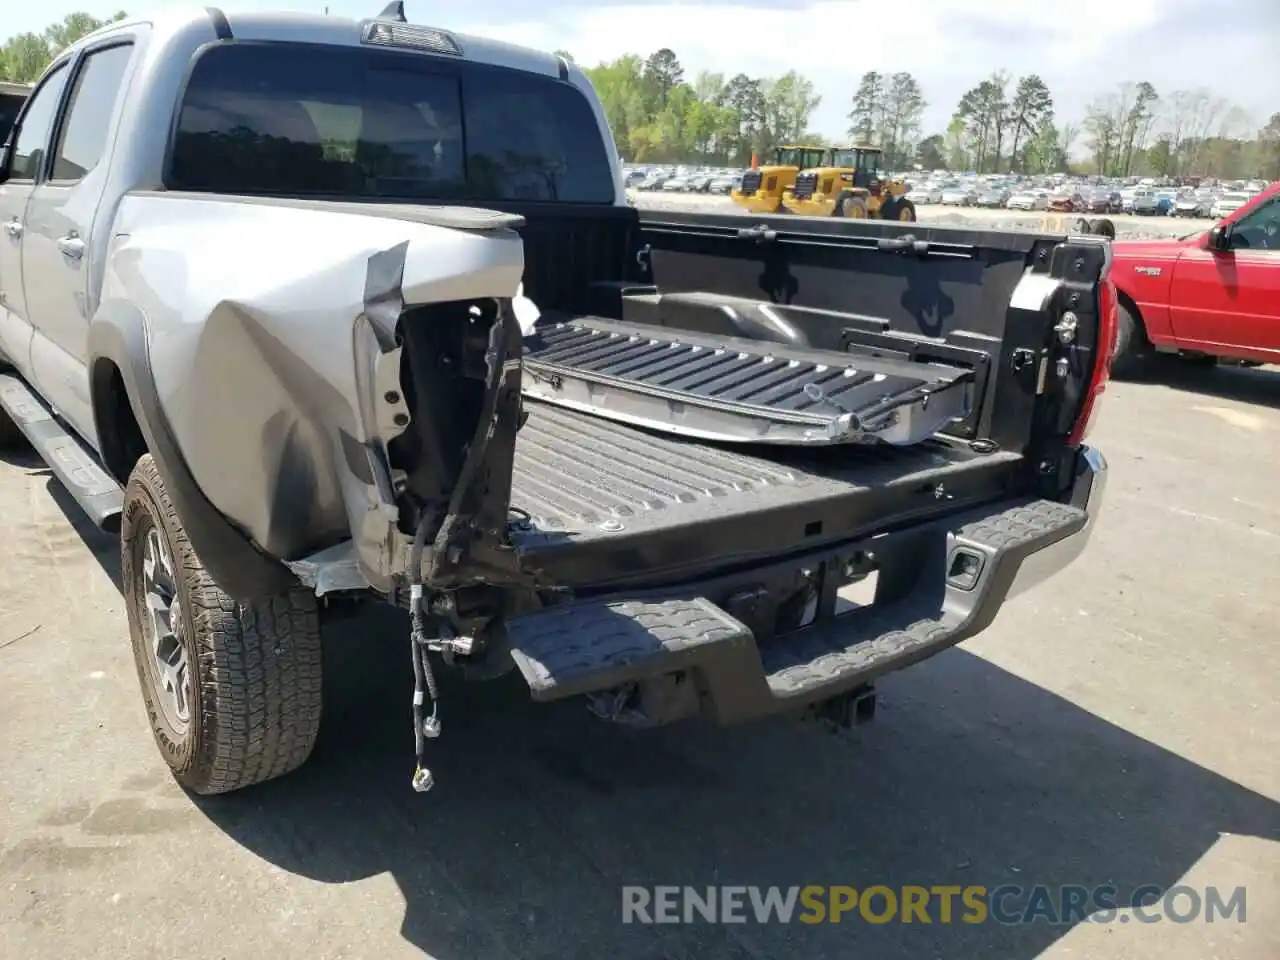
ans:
(1081, 49)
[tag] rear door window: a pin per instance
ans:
(83, 140)
(310, 120)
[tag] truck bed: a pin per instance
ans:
(604, 503)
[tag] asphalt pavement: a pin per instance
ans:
(1118, 725)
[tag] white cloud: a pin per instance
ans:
(1080, 50)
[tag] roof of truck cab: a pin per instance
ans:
(342, 31)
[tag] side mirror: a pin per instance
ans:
(1220, 238)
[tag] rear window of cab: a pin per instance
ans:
(292, 119)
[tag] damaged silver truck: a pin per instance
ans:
(316, 312)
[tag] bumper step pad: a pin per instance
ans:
(909, 631)
(584, 647)
(738, 390)
(593, 646)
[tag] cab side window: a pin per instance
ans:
(83, 139)
(31, 141)
(1260, 230)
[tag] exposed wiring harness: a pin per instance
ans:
(453, 517)
(424, 679)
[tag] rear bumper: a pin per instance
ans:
(712, 649)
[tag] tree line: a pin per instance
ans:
(1000, 125)
(1129, 131)
(23, 57)
(657, 115)
(1133, 129)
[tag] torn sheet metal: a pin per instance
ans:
(526, 311)
(332, 570)
(270, 326)
(735, 390)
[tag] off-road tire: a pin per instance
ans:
(254, 695)
(1133, 351)
(852, 208)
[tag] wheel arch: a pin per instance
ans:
(1126, 301)
(127, 413)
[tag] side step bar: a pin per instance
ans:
(625, 649)
(70, 460)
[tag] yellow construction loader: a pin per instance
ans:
(849, 185)
(761, 190)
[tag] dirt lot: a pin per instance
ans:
(1119, 725)
(1128, 227)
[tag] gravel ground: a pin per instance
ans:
(1127, 227)
(1118, 725)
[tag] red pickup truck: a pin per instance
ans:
(1211, 295)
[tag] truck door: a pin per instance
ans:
(1232, 297)
(63, 254)
(28, 149)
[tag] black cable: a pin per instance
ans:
(419, 740)
(417, 616)
(422, 672)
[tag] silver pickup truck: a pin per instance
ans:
(319, 312)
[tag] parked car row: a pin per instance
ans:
(1058, 195)
(682, 179)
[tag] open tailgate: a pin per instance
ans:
(735, 389)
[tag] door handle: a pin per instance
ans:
(71, 246)
(14, 229)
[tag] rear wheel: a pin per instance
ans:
(232, 690)
(1103, 228)
(1133, 350)
(903, 210)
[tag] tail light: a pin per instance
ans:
(1104, 350)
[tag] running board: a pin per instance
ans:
(70, 460)
(739, 390)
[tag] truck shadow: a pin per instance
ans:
(1256, 385)
(23, 457)
(542, 813)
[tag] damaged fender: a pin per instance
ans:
(274, 339)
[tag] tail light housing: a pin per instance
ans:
(1104, 350)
